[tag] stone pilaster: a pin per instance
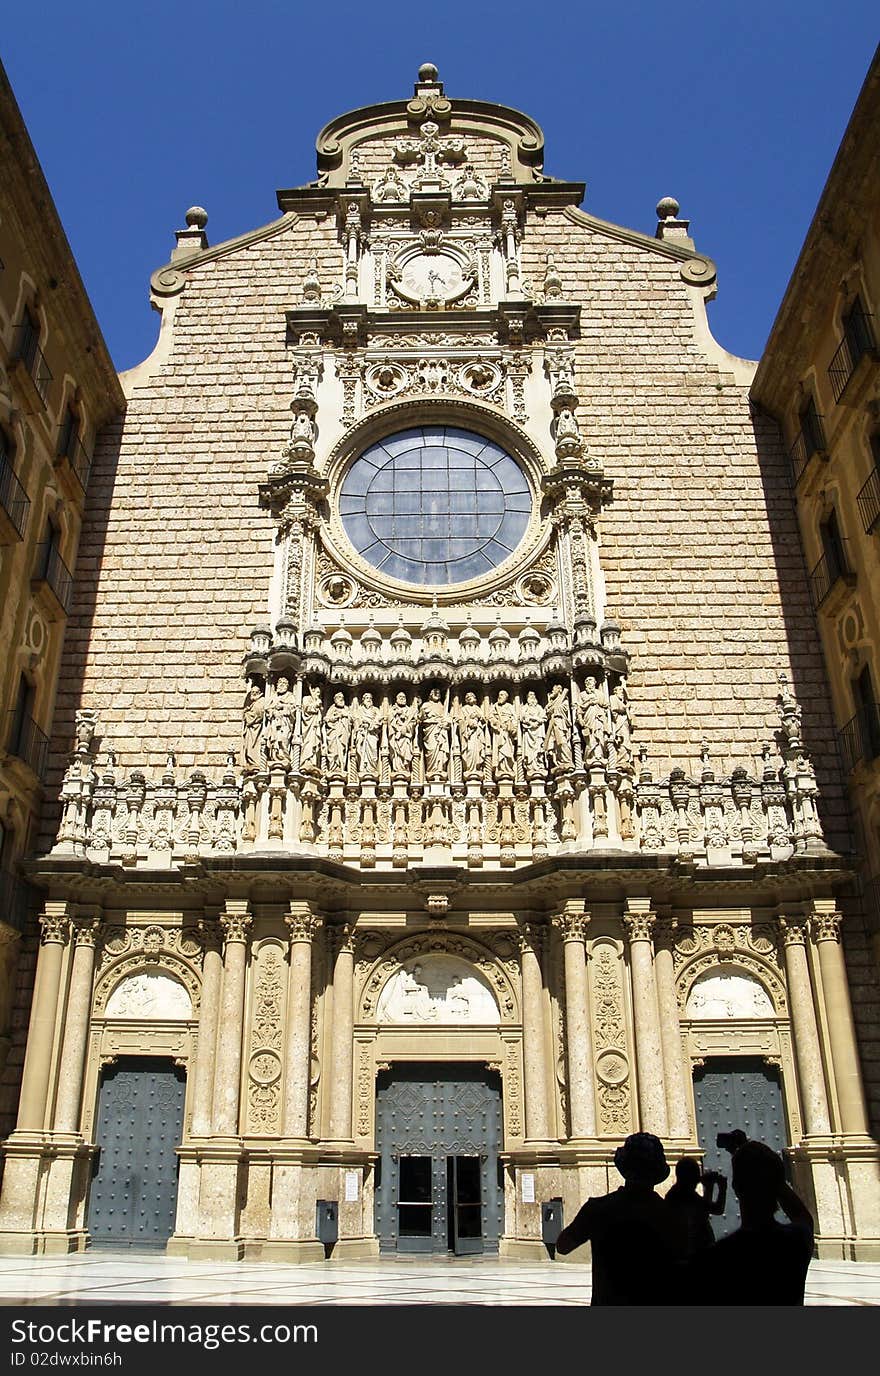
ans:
(572, 922)
(342, 939)
(531, 945)
(76, 1027)
(54, 935)
(807, 1050)
(676, 1073)
(302, 926)
(236, 923)
(638, 922)
(209, 1012)
(825, 931)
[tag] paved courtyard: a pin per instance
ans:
(123, 1278)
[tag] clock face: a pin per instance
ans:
(433, 277)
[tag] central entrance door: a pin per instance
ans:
(438, 1133)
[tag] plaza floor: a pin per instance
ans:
(125, 1278)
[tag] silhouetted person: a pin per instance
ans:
(633, 1233)
(763, 1262)
(691, 1208)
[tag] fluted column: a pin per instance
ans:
(302, 924)
(236, 923)
(54, 934)
(531, 941)
(639, 923)
(676, 1074)
(825, 930)
(343, 1033)
(572, 922)
(209, 1013)
(807, 1050)
(76, 1025)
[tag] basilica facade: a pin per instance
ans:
(446, 771)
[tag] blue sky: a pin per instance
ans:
(138, 111)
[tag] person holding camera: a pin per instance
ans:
(692, 1210)
(763, 1262)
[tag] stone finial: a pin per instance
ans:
(196, 217)
(192, 239)
(669, 226)
(428, 72)
(667, 208)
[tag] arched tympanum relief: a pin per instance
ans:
(438, 989)
(150, 994)
(728, 991)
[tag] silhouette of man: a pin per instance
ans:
(691, 1209)
(763, 1262)
(633, 1233)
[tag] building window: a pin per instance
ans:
(858, 341)
(810, 438)
(70, 447)
(861, 735)
(14, 501)
(30, 356)
(24, 739)
(834, 564)
(51, 569)
(869, 495)
(435, 505)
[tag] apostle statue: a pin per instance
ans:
(533, 729)
(502, 720)
(367, 726)
(311, 712)
(278, 721)
(252, 751)
(434, 721)
(621, 737)
(401, 726)
(472, 737)
(557, 740)
(337, 735)
(592, 718)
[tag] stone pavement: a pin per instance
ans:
(104, 1277)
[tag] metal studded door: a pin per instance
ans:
(133, 1197)
(740, 1092)
(438, 1133)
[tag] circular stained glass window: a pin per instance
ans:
(435, 505)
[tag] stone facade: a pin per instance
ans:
(564, 812)
(57, 390)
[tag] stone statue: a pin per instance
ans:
(311, 713)
(278, 723)
(252, 751)
(592, 718)
(337, 735)
(557, 741)
(502, 719)
(472, 735)
(621, 736)
(401, 732)
(367, 726)
(532, 725)
(434, 720)
(86, 721)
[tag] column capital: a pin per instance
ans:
(210, 932)
(85, 930)
(342, 937)
(571, 920)
(638, 919)
(531, 938)
(825, 920)
(55, 924)
(236, 921)
(793, 927)
(302, 922)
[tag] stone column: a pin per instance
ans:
(54, 933)
(639, 923)
(805, 1033)
(676, 1073)
(531, 941)
(209, 1010)
(572, 922)
(236, 922)
(76, 1026)
(302, 924)
(342, 1047)
(825, 930)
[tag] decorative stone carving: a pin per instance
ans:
(278, 721)
(728, 994)
(264, 1062)
(437, 989)
(434, 723)
(613, 1096)
(337, 736)
(253, 755)
(471, 725)
(150, 994)
(533, 731)
(503, 723)
(592, 718)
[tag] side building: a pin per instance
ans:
(58, 388)
(454, 787)
(820, 377)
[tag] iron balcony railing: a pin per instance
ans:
(13, 498)
(74, 452)
(26, 741)
(869, 502)
(16, 900)
(810, 440)
(51, 569)
(830, 568)
(27, 351)
(860, 738)
(857, 341)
